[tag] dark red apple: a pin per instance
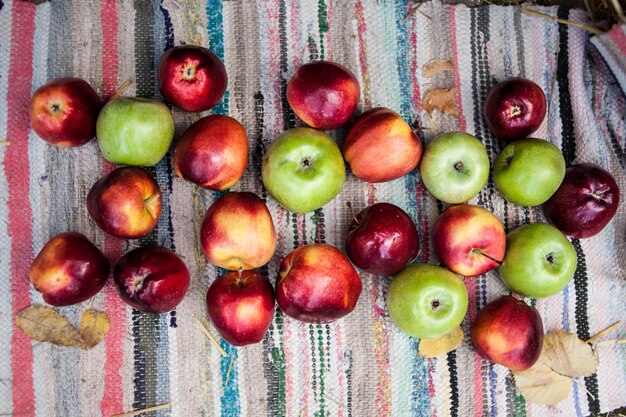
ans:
(514, 108)
(382, 239)
(69, 269)
(125, 203)
(585, 202)
(241, 306)
(323, 94)
(64, 112)
(192, 78)
(509, 332)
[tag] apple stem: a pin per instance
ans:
(122, 88)
(488, 257)
(4, 143)
(349, 204)
(240, 280)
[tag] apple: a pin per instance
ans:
(426, 301)
(323, 94)
(192, 78)
(152, 279)
(317, 284)
(509, 332)
(237, 232)
(528, 171)
(241, 306)
(539, 261)
(125, 203)
(455, 167)
(380, 146)
(469, 239)
(134, 131)
(585, 202)
(382, 239)
(303, 169)
(63, 112)
(69, 269)
(514, 108)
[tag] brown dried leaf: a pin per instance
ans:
(542, 385)
(436, 66)
(442, 100)
(93, 327)
(46, 325)
(432, 348)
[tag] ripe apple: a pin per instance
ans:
(509, 332)
(303, 169)
(529, 171)
(152, 279)
(237, 232)
(469, 239)
(192, 78)
(585, 202)
(134, 131)
(323, 94)
(69, 269)
(539, 261)
(514, 108)
(63, 112)
(426, 301)
(125, 203)
(241, 306)
(380, 146)
(213, 152)
(317, 284)
(382, 239)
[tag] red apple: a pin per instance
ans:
(509, 332)
(125, 203)
(585, 202)
(317, 284)
(514, 108)
(152, 279)
(241, 306)
(192, 78)
(382, 239)
(469, 240)
(64, 112)
(213, 153)
(237, 232)
(380, 146)
(69, 269)
(323, 94)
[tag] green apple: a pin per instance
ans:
(427, 301)
(455, 167)
(303, 169)
(134, 131)
(529, 171)
(539, 261)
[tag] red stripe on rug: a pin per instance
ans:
(457, 77)
(17, 171)
(618, 36)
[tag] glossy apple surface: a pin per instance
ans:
(539, 261)
(585, 202)
(317, 284)
(509, 332)
(69, 269)
(528, 171)
(514, 108)
(213, 152)
(63, 112)
(237, 232)
(469, 239)
(125, 203)
(426, 301)
(455, 167)
(303, 169)
(323, 94)
(152, 279)
(382, 239)
(241, 307)
(192, 78)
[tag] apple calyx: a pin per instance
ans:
(55, 108)
(353, 213)
(435, 304)
(480, 252)
(150, 203)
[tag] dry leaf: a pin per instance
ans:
(432, 348)
(46, 325)
(436, 66)
(93, 327)
(442, 100)
(542, 385)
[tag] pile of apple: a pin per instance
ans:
(303, 169)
